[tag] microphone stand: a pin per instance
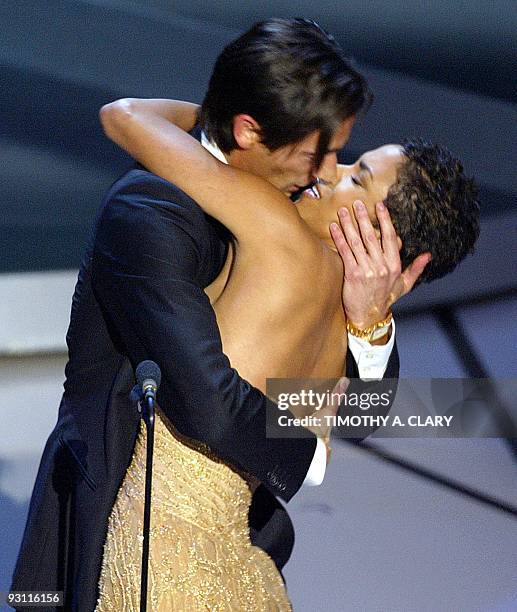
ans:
(148, 416)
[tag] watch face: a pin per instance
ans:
(379, 333)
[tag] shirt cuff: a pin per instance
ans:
(316, 472)
(372, 360)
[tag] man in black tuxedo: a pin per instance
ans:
(140, 296)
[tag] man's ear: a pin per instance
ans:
(399, 242)
(246, 131)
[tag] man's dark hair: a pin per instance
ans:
(434, 207)
(291, 77)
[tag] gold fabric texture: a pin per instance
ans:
(201, 556)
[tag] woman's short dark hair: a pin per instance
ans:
(291, 77)
(434, 207)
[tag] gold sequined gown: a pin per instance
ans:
(201, 556)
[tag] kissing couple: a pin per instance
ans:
(202, 262)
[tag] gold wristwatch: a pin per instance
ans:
(374, 332)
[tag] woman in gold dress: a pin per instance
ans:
(278, 302)
(201, 557)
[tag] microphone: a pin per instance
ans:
(148, 377)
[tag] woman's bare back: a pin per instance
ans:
(280, 312)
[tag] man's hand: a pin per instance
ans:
(373, 272)
(323, 426)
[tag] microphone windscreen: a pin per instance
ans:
(146, 370)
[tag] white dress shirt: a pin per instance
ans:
(371, 360)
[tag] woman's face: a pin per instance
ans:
(368, 180)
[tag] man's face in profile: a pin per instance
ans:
(292, 166)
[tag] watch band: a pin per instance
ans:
(374, 332)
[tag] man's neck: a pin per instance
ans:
(234, 158)
(212, 148)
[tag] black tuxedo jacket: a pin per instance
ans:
(140, 296)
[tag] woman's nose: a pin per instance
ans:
(347, 168)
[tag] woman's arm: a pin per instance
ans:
(182, 114)
(250, 207)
